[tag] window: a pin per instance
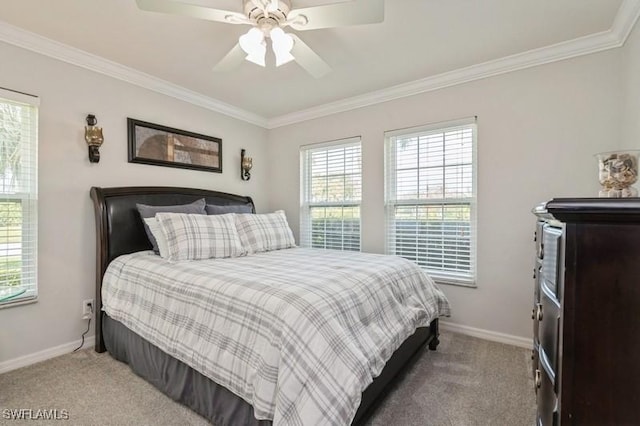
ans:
(18, 197)
(331, 192)
(431, 199)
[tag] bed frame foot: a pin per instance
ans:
(433, 344)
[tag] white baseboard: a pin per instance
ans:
(523, 342)
(44, 355)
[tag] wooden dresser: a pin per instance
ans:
(586, 314)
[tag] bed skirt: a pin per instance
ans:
(214, 402)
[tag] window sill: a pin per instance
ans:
(449, 281)
(19, 302)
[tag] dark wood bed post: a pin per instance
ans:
(101, 262)
(435, 332)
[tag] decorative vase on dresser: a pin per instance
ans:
(586, 315)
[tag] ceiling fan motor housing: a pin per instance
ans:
(269, 20)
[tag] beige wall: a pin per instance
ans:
(537, 132)
(631, 77)
(66, 234)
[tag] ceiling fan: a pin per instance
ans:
(268, 18)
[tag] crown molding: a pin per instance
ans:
(615, 37)
(626, 19)
(45, 46)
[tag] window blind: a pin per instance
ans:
(18, 197)
(331, 186)
(431, 199)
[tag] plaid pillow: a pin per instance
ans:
(197, 207)
(158, 235)
(195, 237)
(264, 232)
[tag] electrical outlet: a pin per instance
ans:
(87, 309)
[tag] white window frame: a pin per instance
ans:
(305, 190)
(28, 199)
(391, 201)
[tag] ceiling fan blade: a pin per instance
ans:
(308, 59)
(192, 11)
(355, 12)
(231, 61)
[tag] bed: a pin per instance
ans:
(120, 232)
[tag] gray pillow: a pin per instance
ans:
(236, 208)
(197, 207)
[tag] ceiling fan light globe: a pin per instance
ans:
(282, 44)
(276, 33)
(283, 58)
(258, 56)
(280, 41)
(252, 41)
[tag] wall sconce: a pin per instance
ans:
(245, 166)
(94, 138)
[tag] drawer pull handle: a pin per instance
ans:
(533, 313)
(538, 379)
(539, 312)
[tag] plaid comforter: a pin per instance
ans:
(297, 333)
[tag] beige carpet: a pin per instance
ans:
(467, 381)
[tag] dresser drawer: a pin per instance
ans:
(535, 359)
(548, 314)
(547, 401)
(537, 276)
(551, 258)
(536, 324)
(537, 238)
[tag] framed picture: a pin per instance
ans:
(164, 146)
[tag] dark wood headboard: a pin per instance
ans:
(120, 230)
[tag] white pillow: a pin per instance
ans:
(264, 232)
(195, 236)
(158, 234)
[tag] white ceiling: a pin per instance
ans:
(418, 39)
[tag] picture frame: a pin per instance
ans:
(159, 145)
